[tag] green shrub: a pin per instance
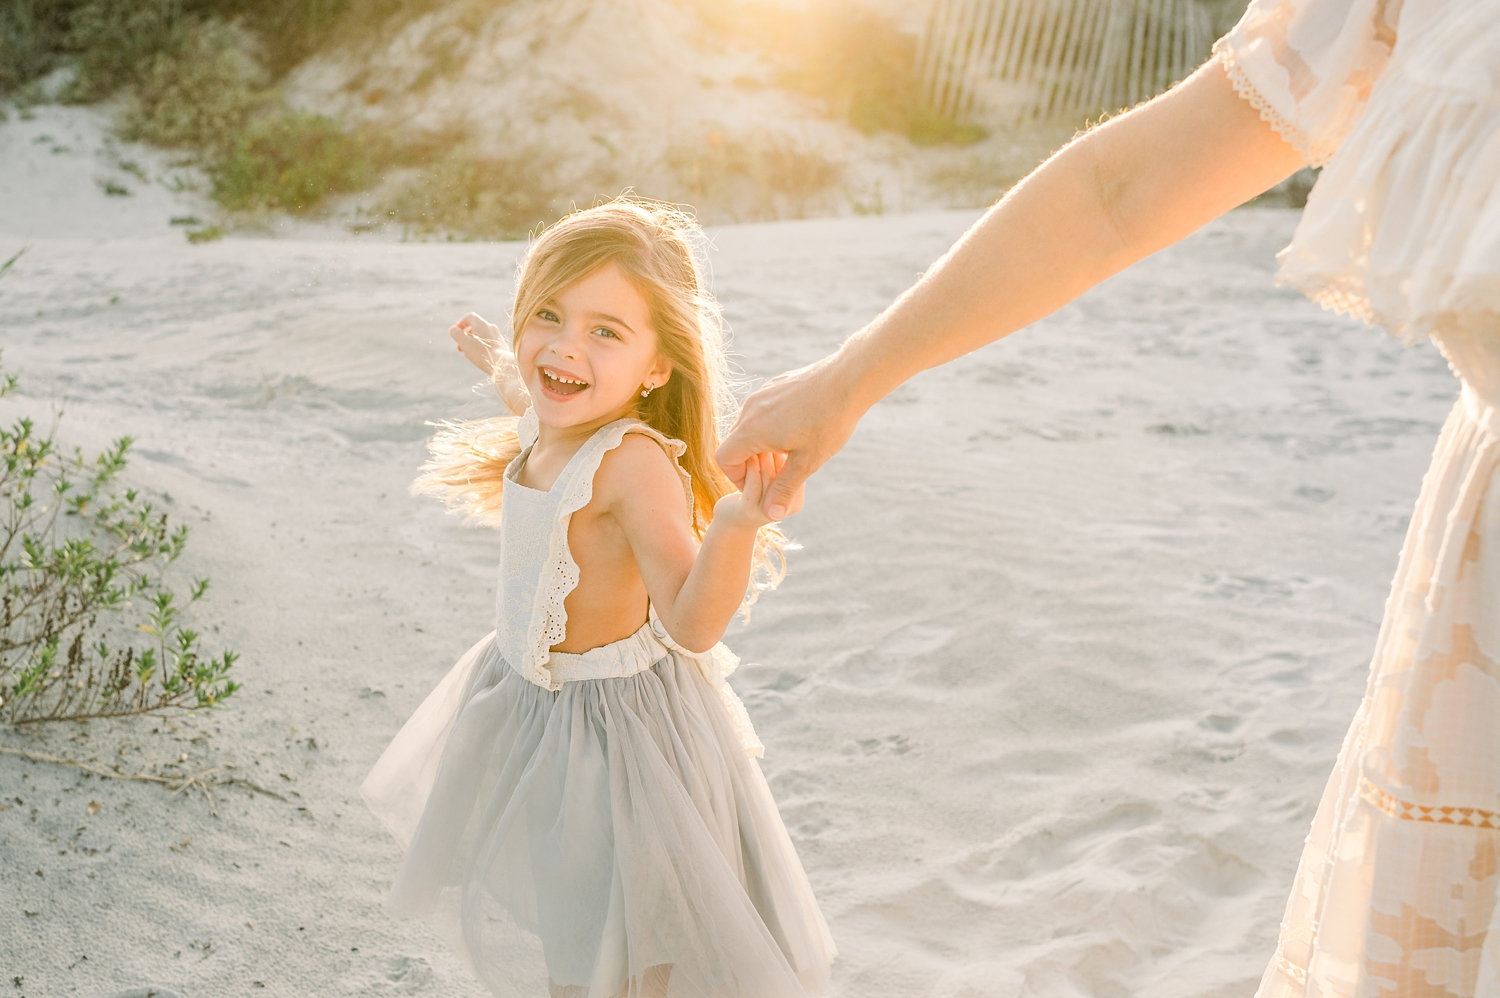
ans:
(197, 95)
(291, 161)
(77, 557)
(114, 40)
(32, 34)
(200, 84)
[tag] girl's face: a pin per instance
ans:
(587, 353)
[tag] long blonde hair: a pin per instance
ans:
(652, 244)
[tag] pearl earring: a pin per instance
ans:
(648, 390)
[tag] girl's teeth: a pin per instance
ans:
(566, 385)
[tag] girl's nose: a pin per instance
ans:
(567, 342)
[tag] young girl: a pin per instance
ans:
(583, 777)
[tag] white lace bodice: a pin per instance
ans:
(538, 571)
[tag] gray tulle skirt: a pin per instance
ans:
(608, 838)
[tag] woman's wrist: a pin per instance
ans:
(862, 373)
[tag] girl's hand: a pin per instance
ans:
(479, 341)
(745, 508)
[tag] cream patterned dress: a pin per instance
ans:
(604, 808)
(1400, 103)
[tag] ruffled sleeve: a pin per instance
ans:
(1308, 65)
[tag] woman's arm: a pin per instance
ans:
(1117, 193)
(480, 342)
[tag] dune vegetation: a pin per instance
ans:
(219, 81)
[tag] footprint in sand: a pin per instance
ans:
(884, 665)
(892, 744)
(1220, 723)
(403, 975)
(914, 640)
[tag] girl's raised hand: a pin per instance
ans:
(483, 345)
(479, 341)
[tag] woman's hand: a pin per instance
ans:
(804, 416)
(746, 508)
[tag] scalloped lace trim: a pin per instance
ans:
(1347, 297)
(560, 571)
(1243, 86)
(1344, 297)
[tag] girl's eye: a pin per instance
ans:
(547, 315)
(607, 332)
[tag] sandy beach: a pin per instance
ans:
(1048, 696)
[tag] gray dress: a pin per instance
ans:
(603, 808)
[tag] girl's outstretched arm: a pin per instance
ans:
(696, 589)
(1117, 193)
(481, 343)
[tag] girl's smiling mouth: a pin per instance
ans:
(557, 383)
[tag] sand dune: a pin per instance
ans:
(1048, 697)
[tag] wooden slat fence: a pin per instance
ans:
(1007, 61)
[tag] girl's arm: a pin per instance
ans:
(1119, 192)
(481, 343)
(696, 589)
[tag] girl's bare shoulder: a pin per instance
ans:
(638, 474)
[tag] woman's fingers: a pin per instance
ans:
(806, 414)
(783, 495)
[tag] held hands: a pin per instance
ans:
(746, 508)
(804, 416)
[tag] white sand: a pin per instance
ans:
(1048, 698)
